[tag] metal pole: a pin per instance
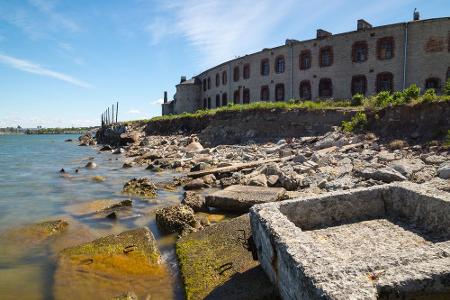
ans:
(117, 110)
(112, 113)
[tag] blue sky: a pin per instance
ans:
(62, 62)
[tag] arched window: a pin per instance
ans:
(305, 59)
(217, 100)
(209, 102)
(237, 97)
(236, 74)
(279, 64)
(204, 85)
(224, 78)
(224, 99)
(433, 83)
(279, 92)
(265, 94)
(246, 96)
(385, 82)
(360, 51)
(246, 71)
(265, 67)
(385, 48)
(217, 79)
(325, 88)
(359, 84)
(305, 90)
(326, 56)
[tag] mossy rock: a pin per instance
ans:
(215, 264)
(111, 266)
(142, 187)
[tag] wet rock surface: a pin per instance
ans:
(141, 187)
(177, 219)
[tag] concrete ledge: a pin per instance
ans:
(382, 242)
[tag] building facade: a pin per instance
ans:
(331, 66)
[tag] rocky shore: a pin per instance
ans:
(216, 259)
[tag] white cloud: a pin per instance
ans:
(13, 120)
(158, 102)
(30, 67)
(133, 112)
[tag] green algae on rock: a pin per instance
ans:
(215, 264)
(111, 266)
(177, 219)
(142, 187)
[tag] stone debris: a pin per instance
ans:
(177, 219)
(195, 200)
(143, 187)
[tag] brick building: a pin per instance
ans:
(367, 60)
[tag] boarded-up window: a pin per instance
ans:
(326, 56)
(204, 85)
(325, 88)
(305, 60)
(265, 67)
(217, 79)
(209, 102)
(359, 84)
(209, 83)
(224, 99)
(236, 74)
(279, 64)
(385, 48)
(217, 100)
(385, 82)
(246, 71)
(246, 96)
(224, 78)
(237, 97)
(279, 92)
(265, 93)
(305, 90)
(433, 83)
(359, 51)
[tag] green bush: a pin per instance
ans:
(447, 87)
(412, 92)
(357, 99)
(357, 123)
(447, 139)
(429, 96)
(383, 99)
(399, 98)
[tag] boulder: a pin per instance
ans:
(106, 148)
(91, 165)
(209, 179)
(240, 198)
(119, 151)
(127, 165)
(258, 180)
(215, 263)
(112, 266)
(195, 201)
(272, 180)
(407, 166)
(435, 159)
(177, 219)
(385, 174)
(86, 139)
(194, 146)
(129, 137)
(195, 184)
(143, 187)
(444, 171)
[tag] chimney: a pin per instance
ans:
(363, 24)
(323, 33)
(183, 79)
(416, 15)
(165, 96)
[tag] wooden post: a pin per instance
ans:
(117, 110)
(112, 114)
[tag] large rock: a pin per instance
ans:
(240, 198)
(129, 137)
(194, 146)
(101, 208)
(194, 200)
(215, 264)
(407, 166)
(177, 219)
(444, 171)
(143, 187)
(383, 174)
(112, 266)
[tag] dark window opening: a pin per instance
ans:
(224, 99)
(326, 56)
(305, 90)
(237, 97)
(265, 67)
(433, 83)
(205, 103)
(209, 102)
(359, 84)
(448, 72)
(265, 94)
(279, 92)
(236, 74)
(385, 82)
(209, 83)
(217, 79)
(246, 96)
(246, 71)
(385, 48)
(224, 77)
(325, 88)
(305, 60)
(204, 85)
(360, 51)
(279, 64)
(217, 100)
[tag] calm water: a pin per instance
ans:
(33, 190)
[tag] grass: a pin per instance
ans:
(357, 123)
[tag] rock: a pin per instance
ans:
(127, 165)
(194, 146)
(106, 148)
(407, 166)
(97, 206)
(215, 263)
(209, 179)
(91, 165)
(68, 140)
(284, 153)
(98, 178)
(119, 151)
(258, 180)
(386, 156)
(177, 219)
(129, 137)
(270, 169)
(140, 187)
(86, 139)
(444, 171)
(343, 183)
(153, 168)
(384, 174)
(195, 201)
(195, 184)
(424, 175)
(272, 180)
(327, 140)
(290, 181)
(434, 159)
(200, 167)
(111, 266)
(299, 159)
(152, 154)
(240, 198)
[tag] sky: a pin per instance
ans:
(62, 62)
